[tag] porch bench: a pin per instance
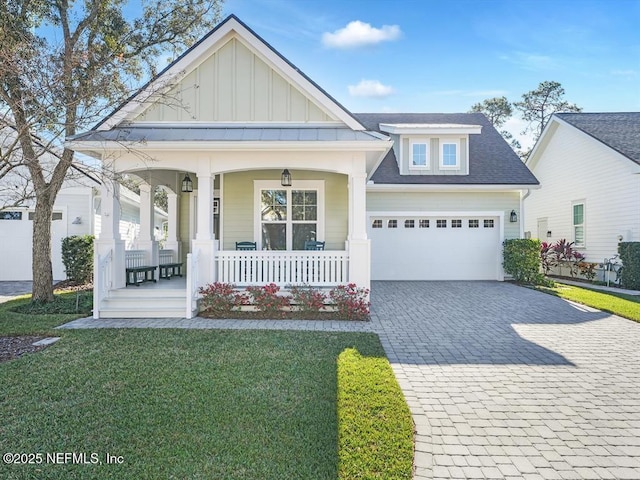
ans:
(168, 270)
(132, 275)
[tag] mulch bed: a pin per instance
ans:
(14, 347)
(284, 316)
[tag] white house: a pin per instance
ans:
(274, 160)
(76, 212)
(589, 168)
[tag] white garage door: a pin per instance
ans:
(435, 247)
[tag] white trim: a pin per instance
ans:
(439, 187)
(574, 203)
(233, 124)
(443, 142)
(427, 144)
(259, 185)
(367, 145)
(229, 28)
(429, 129)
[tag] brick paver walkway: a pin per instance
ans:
(503, 382)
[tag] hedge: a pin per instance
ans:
(77, 257)
(522, 260)
(630, 258)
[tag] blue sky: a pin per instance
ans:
(444, 56)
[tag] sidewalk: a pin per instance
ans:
(603, 288)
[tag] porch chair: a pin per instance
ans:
(313, 245)
(246, 245)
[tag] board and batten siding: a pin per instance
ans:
(423, 202)
(575, 167)
(234, 84)
(238, 205)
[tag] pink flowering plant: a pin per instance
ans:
(267, 300)
(351, 302)
(220, 299)
(308, 300)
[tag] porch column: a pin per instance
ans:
(109, 238)
(171, 242)
(205, 239)
(146, 237)
(358, 244)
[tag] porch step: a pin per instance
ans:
(127, 303)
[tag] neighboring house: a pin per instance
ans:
(275, 160)
(75, 212)
(589, 168)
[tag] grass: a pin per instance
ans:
(627, 306)
(375, 426)
(205, 404)
(21, 317)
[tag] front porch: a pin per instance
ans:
(223, 210)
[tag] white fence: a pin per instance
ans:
(316, 268)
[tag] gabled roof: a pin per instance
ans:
(491, 159)
(191, 56)
(619, 131)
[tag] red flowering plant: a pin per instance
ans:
(268, 302)
(219, 299)
(351, 302)
(309, 300)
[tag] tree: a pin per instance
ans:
(498, 110)
(538, 105)
(64, 64)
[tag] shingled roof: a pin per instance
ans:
(620, 131)
(491, 159)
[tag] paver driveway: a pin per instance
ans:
(506, 382)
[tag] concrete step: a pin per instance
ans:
(133, 312)
(148, 293)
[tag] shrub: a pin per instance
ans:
(77, 257)
(221, 298)
(351, 302)
(588, 270)
(308, 300)
(267, 300)
(630, 258)
(522, 260)
(566, 255)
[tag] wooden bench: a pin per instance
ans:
(168, 270)
(133, 277)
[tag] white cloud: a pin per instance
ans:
(370, 88)
(359, 34)
(624, 73)
(531, 61)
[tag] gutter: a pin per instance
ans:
(522, 199)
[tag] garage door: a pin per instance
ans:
(435, 247)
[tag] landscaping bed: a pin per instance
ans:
(16, 346)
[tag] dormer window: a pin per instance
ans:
(449, 155)
(420, 154)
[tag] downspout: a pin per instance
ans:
(522, 199)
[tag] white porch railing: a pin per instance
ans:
(193, 260)
(316, 268)
(135, 258)
(166, 256)
(102, 281)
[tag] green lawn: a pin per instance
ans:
(627, 306)
(205, 404)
